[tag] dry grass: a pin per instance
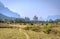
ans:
(8, 33)
(14, 33)
(41, 35)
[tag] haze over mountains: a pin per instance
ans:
(4, 10)
(53, 17)
(6, 13)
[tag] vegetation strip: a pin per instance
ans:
(27, 36)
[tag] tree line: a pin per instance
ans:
(27, 20)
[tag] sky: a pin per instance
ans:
(29, 8)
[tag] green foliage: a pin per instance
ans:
(19, 20)
(33, 28)
(47, 29)
(11, 21)
(1, 21)
(35, 18)
(26, 28)
(27, 19)
(50, 21)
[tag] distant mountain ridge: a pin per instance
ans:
(4, 10)
(2, 16)
(53, 17)
(6, 13)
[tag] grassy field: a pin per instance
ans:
(21, 33)
(8, 33)
(41, 35)
(53, 34)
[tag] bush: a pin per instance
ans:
(26, 28)
(33, 28)
(47, 29)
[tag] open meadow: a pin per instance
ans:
(29, 19)
(36, 31)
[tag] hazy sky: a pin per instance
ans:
(29, 8)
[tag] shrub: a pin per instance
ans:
(26, 28)
(47, 29)
(33, 28)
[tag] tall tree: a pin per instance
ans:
(1, 20)
(50, 21)
(19, 20)
(27, 19)
(35, 18)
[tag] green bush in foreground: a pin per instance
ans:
(26, 28)
(33, 28)
(47, 29)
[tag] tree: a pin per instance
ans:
(27, 19)
(1, 20)
(6, 20)
(50, 21)
(57, 20)
(19, 20)
(11, 21)
(35, 18)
